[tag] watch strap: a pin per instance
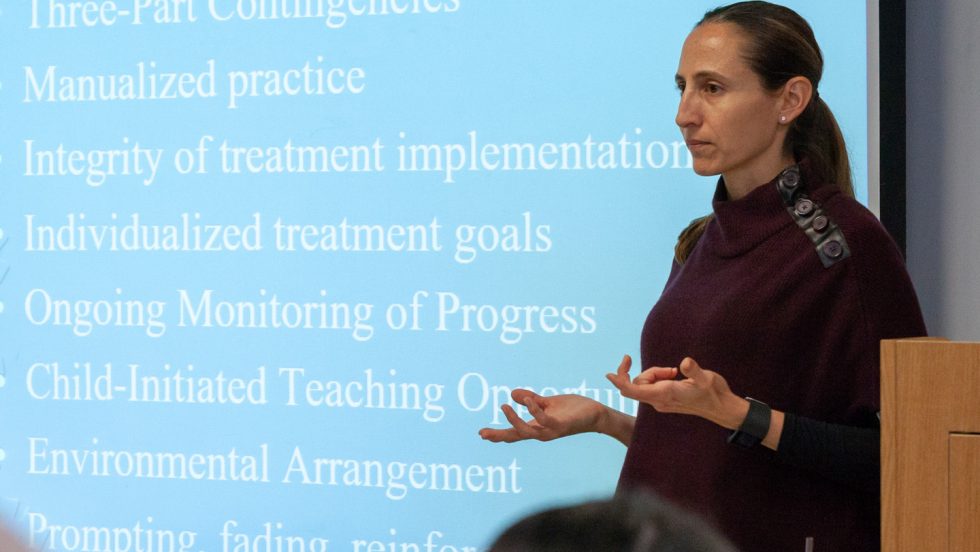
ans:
(755, 426)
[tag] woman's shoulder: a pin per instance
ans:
(878, 265)
(866, 237)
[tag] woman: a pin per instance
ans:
(783, 294)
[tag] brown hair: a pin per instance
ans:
(781, 46)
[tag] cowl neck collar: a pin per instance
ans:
(742, 224)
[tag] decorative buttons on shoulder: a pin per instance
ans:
(833, 249)
(804, 207)
(820, 223)
(789, 185)
(826, 237)
(790, 178)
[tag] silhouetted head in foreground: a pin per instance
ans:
(626, 523)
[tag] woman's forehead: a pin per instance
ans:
(713, 48)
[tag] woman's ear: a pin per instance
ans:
(795, 97)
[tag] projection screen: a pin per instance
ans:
(267, 266)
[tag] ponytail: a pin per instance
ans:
(816, 136)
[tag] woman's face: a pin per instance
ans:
(729, 121)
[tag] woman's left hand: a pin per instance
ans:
(703, 393)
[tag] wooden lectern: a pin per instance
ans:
(930, 446)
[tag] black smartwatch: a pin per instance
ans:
(755, 426)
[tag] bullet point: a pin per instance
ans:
(1, 308)
(3, 455)
(3, 382)
(1, 233)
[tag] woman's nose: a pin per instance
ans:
(687, 112)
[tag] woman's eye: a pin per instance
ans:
(712, 88)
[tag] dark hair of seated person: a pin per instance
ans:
(625, 523)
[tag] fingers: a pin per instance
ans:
(520, 430)
(691, 369)
(624, 366)
(622, 371)
(538, 412)
(653, 386)
(520, 426)
(655, 374)
(499, 435)
(626, 387)
(521, 396)
(535, 404)
(618, 380)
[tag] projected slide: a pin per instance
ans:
(266, 266)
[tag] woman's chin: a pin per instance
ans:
(705, 169)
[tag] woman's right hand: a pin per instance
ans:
(552, 417)
(560, 416)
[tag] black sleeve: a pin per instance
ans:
(846, 454)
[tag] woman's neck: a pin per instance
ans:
(741, 181)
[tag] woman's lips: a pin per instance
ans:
(696, 145)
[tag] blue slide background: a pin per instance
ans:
(513, 72)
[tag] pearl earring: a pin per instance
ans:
(782, 118)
